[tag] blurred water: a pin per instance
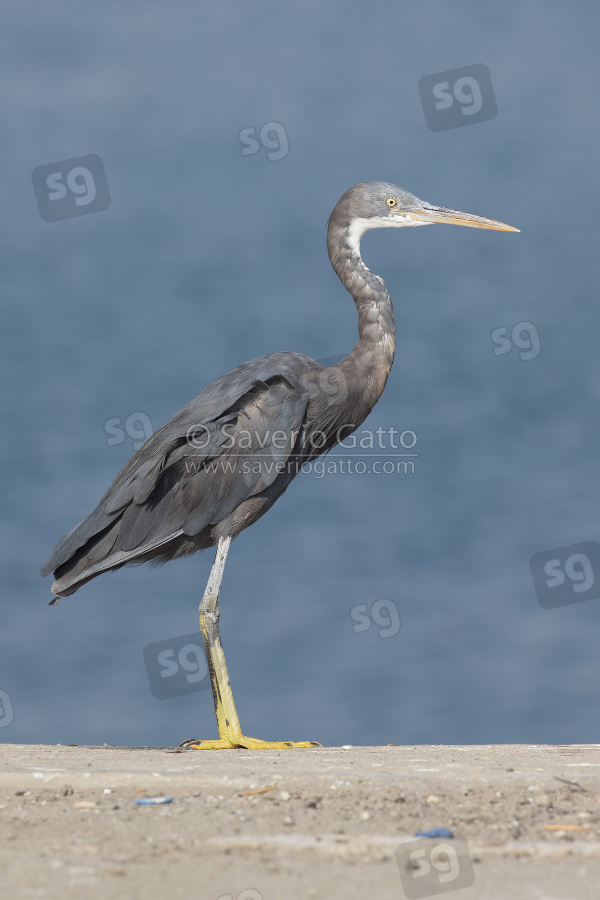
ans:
(206, 258)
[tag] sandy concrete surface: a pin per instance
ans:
(325, 823)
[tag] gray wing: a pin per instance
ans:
(221, 449)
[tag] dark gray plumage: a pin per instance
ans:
(222, 461)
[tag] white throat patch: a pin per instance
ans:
(358, 226)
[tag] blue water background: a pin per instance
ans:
(207, 258)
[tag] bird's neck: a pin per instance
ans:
(373, 355)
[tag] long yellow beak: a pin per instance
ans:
(443, 216)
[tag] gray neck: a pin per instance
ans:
(373, 355)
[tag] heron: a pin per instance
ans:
(222, 461)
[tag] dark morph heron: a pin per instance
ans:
(223, 460)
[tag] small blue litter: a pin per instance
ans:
(435, 833)
(153, 801)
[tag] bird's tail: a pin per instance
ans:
(99, 555)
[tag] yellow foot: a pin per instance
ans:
(248, 743)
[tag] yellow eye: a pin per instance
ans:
(390, 201)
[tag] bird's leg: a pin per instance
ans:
(230, 732)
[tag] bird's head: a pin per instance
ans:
(376, 204)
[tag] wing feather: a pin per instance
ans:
(175, 484)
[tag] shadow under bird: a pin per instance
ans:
(223, 460)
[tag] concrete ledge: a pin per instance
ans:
(316, 823)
